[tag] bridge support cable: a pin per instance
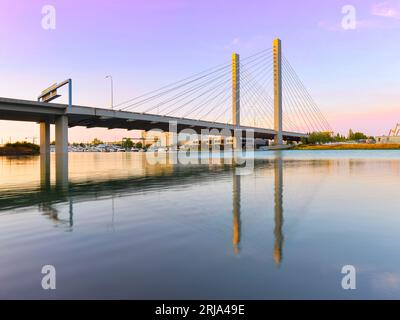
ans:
(252, 94)
(173, 86)
(226, 111)
(308, 96)
(289, 107)
(291, 99)
(262, 76)
(296, 96)
(205, 91)
(261, 90)
(221, 103)
(180, 100)
(150, 102)
(265, 52)
(255, 84)
(289, 103)
(303, 94)
(254, 62)
(251, 102)
(193, 96)
(266, 101)
(204, 106)
(254, 99)
(254, 114)
(311, 114)
(173, 101)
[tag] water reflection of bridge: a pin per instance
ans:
(278, 210)
(65, 191)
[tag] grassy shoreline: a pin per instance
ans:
(355, 146)
(28, 149)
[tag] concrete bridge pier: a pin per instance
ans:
(62, 151)
(62, 134)
(44, 137)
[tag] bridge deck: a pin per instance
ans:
(34, 111)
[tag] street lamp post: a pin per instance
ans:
(112, 90)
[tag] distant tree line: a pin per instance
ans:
(327, 137)
(129, 144)
(126, 143)
(20, 148)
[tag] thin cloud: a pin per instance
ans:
(360, 24)
(382, 15)
(235, 41)
(386, 282)
(258, 42)
(386, 9)
(329, 26)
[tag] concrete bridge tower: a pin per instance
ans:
(277, 54)
(236, 98)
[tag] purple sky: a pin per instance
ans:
(354, 75)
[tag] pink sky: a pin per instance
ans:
(353, 75)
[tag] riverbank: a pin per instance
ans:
(19, 149)
(352, 146)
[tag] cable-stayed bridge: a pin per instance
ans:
(260, 93)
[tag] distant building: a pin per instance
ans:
(166, 139)
(387, 139)
(157, 139)
(392, 137)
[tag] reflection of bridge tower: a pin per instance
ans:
(45, 154)
(236, 212)
(278, 218)
(278, 167)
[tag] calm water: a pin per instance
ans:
(123, 228)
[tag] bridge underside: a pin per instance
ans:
(33, 111)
